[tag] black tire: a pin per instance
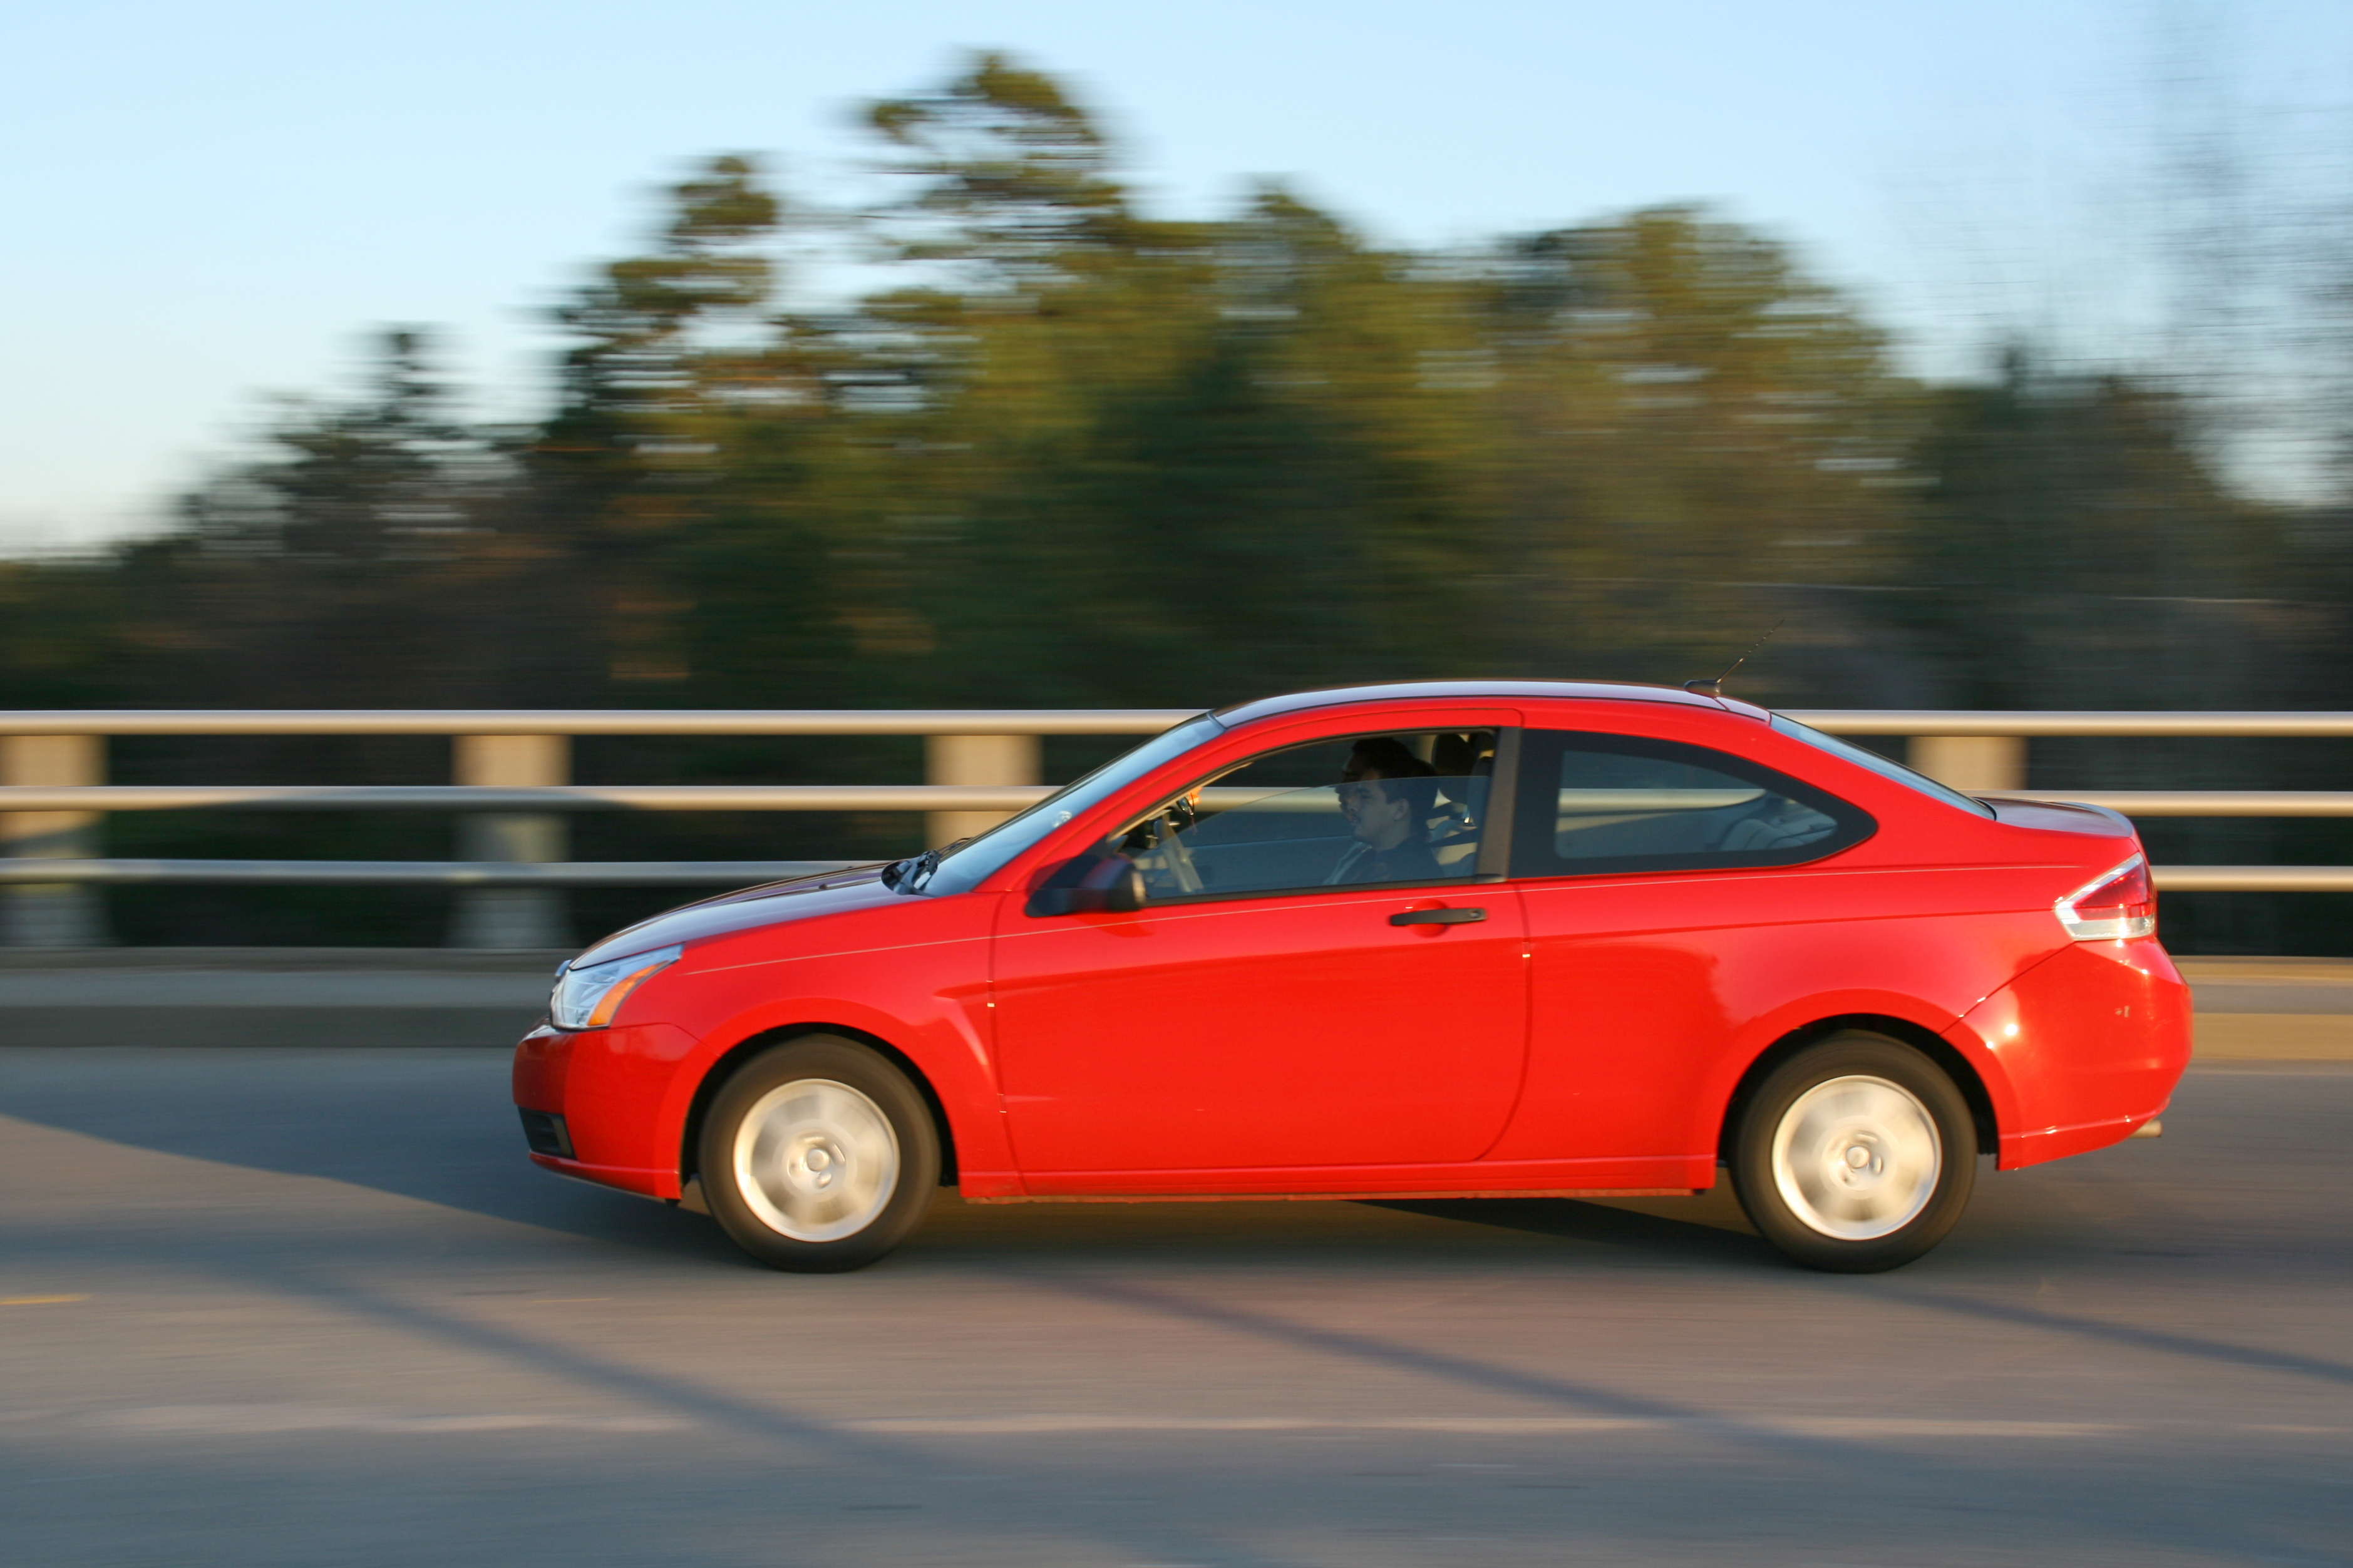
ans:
(819, 1155)
(1855, 1155)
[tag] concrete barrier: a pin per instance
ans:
(2264, 1009)
(2272, 1009)
(272, 996)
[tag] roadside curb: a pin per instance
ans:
(2273, 1036)
(310, 997)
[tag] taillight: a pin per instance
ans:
(2117, 903)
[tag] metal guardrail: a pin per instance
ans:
(2253, 878)
(568, 797)
(594, 720)
(1910, 721)
(2196, 802)
(413, 873)
(908, 797)
(512, 786)
(981, 764)
(1905, 722)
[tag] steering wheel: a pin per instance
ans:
(1162, 856)
(1180, 858)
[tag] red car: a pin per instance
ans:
(1448, 939)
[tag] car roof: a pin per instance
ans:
(1473, 690)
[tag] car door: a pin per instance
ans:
(1670, 893)
(1257, 1015)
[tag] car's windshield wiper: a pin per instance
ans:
(909, 876)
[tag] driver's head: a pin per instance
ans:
(1385, 793)
(1382, 756)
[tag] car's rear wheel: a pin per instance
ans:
(819, 1155)
(1856, 1154)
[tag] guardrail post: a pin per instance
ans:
(51, 914)
(974, 760)
(1971, 764)
(512, 918)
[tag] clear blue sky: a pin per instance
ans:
(210, 203)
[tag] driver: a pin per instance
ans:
(1387, 797)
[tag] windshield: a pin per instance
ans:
(1884, 767)
(963, 868)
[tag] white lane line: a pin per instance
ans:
(1803, 1426)
(260, 1419)
(1012, 1426)
(1876, 1426)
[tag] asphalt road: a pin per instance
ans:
(276, 1306)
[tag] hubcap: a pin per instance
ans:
(816, 1160)
(1857, 1158)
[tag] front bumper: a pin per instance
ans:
(545, 1132)
(612, 1097)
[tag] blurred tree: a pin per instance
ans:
(1011, 181)
(1693, 420)
(348, 564)
(1168, 478)
(62, 634)
(2076, 551)
(668, 347)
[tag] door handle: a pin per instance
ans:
(1437, 917)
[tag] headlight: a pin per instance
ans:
(587, 998)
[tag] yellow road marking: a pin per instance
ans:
(37, 1300)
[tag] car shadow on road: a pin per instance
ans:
(437, 1126)
(1708, 1227)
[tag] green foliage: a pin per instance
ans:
(2074, 517)
(1065, 453)
(63, 635)
(1009, 177)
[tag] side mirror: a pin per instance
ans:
(1112, 885)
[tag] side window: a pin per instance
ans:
(1620, 803)
(1364, 810)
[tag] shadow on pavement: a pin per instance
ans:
(436, 1126)
(439, 1126)
(1707, 1228)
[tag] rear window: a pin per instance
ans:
(1884, 767)
(1596, 802)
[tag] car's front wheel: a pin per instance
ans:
(1855, 1155)
(819, 1155)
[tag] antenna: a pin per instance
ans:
(1715, 688)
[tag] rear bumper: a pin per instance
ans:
(2088, 1043)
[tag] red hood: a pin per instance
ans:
(831, 893)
